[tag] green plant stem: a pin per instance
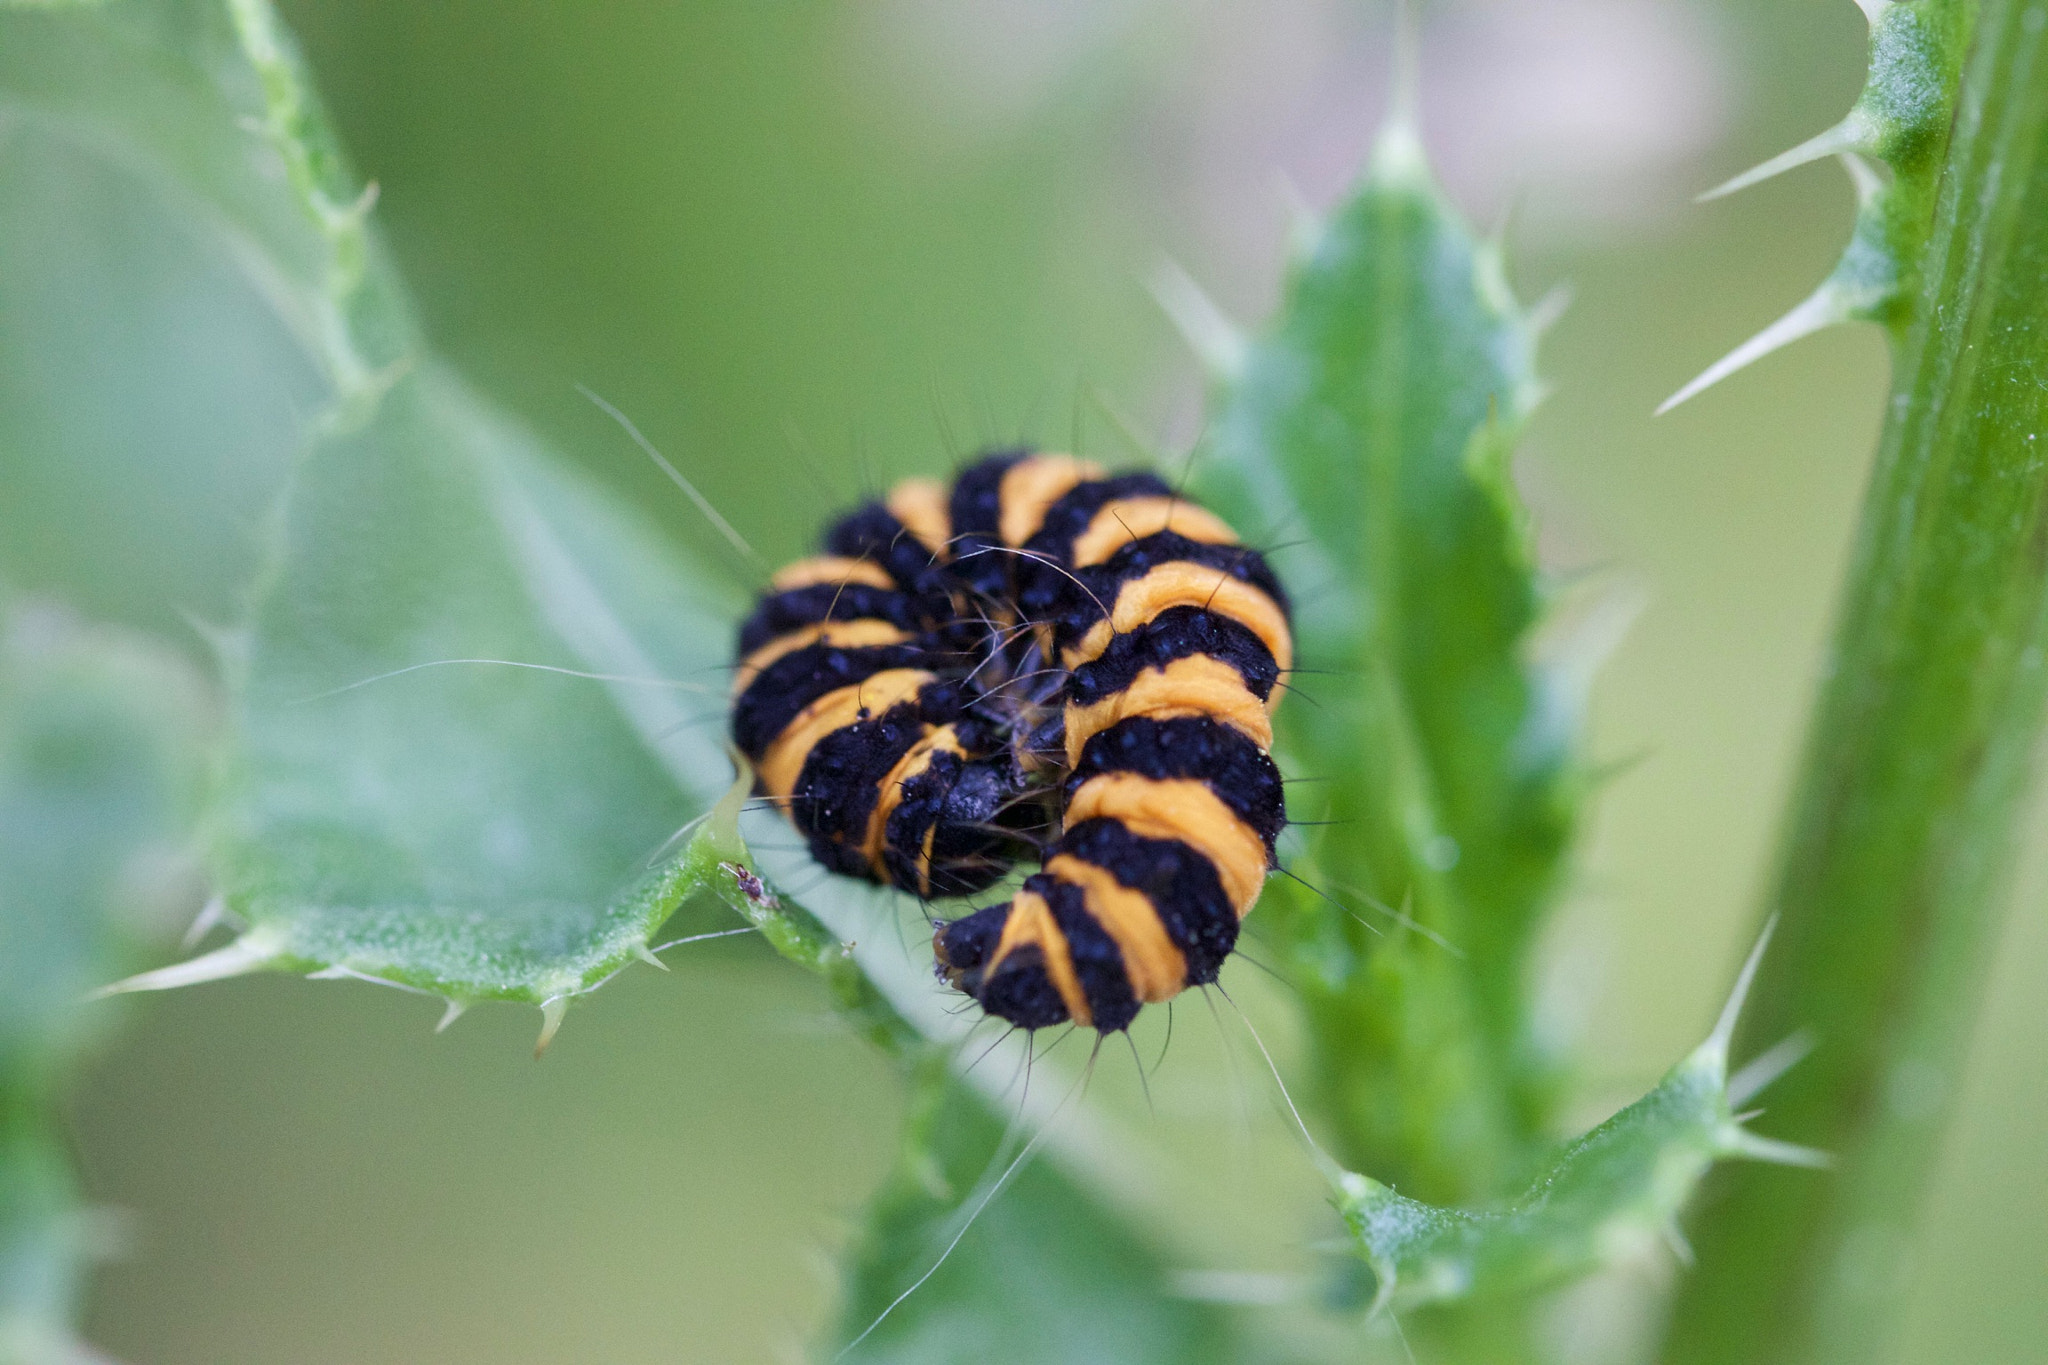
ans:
(1899, 838)
(717, 861)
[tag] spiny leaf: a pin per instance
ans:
(1613, 1194)
(397, 807)
(1367, 440)
(480, 830)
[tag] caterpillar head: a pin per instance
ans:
(951, 831)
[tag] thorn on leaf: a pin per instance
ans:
(1824, 307)
(212, 913)
(551, 1012)
(1743, 1143)
(1855, 133)
(1768, 1066)
(252, 952)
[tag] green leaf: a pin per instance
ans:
(1608, 1196)
(102, 739)
(415, 796)
(481, 830)
(1029, 1267)
(1368, 435)
(149, 374)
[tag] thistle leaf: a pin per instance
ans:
(1367, 440)
(399, 807)
(395, 808)
(1613, 1194)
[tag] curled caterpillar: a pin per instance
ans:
(1043, 658)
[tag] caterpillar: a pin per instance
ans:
(1043, 657)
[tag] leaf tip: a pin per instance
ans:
(1675, 1239)
(1715, 1048)
(214, 912)
(1404, 102)
(1397, 156)
(1546, 312)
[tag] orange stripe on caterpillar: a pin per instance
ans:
(1185, 810)
(1196, 685)
(834, 569)
(1180, 584)
(1123, 520)
(912, 765)
(1031, 923)
(784, 762)
(1156, 969)
(1031, 486)
(920, 504)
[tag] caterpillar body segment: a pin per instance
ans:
(1061, 657)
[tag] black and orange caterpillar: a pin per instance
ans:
(1042, 657)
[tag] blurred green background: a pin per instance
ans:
(810, 247)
